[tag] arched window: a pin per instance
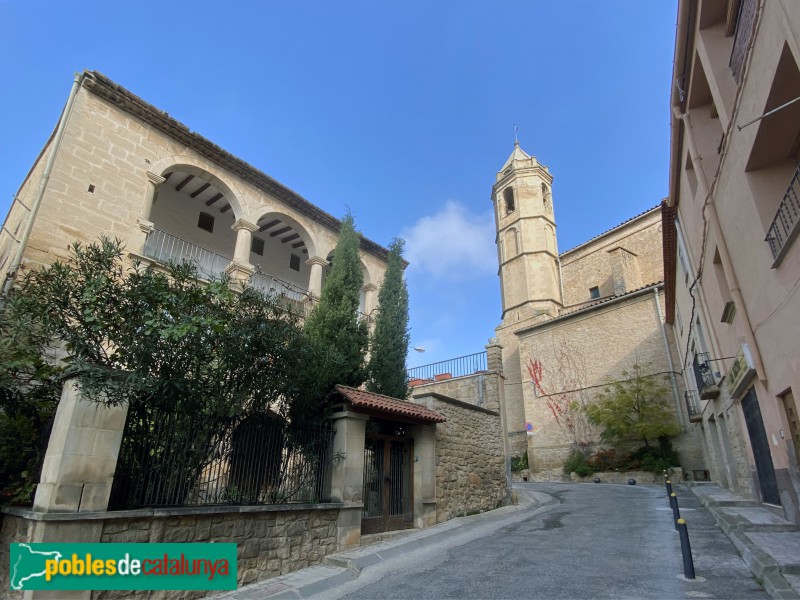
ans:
(545, 194)
(511, 247)
(508, 196)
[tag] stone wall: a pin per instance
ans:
(470, 460)
(479, 389)
(599, 263)
(271, 540)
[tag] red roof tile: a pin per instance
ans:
(387, 404)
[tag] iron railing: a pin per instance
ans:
(784, 224)
(702, 370)
(166, 248)
(180, 460)
(455, 367)
(741, 41)
(273, 285)
(693, 405)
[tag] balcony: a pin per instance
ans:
(744, 31)
(784, 226)
(693, 406)
(447, 369)
(704, 377)
(165, 248)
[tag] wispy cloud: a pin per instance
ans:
(452, 244)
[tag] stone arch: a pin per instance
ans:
(200, 170)
(265, 223)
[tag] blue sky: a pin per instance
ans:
(402, 111)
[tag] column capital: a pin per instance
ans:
(242, 224)
(369, 287)
(155, 179)
(317, 260)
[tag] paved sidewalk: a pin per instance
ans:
(769, 544)
(345, 566)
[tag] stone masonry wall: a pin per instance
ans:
(271, 540)
(592, 265)
(470, 461)
(480, 389)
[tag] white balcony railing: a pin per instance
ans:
(166, 248)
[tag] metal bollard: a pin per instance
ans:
(668, 485)
(686, 549)
(676, 513)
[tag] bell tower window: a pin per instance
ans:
(508, 196)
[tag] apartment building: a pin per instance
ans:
(732, 260)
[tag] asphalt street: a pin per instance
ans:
(599, 541)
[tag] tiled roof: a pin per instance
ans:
(587, 307)
(599, 235)
(387, 404)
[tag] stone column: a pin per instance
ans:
(347, 474)
(496, 400)
(81, 455)
(317, 263)
(370, 298)
(424, 475)
(144, 220)
(240, 268)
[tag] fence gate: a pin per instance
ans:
(388, 483)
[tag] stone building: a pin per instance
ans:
(571, 321)
(732, 262)
(118, 166)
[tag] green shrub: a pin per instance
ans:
(657, 459)
(576, 463)
(519, 463)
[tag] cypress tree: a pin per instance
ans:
(387, 367)
(334, 323)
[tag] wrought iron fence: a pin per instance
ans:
(785, 221)
(454, 367)
(164, 247)
(178, 460)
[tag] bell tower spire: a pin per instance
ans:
(527, 250)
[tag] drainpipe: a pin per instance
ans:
(48, 169)
(675, 394)
(713, 218)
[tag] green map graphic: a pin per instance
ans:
(27, 563)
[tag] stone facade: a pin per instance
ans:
(271, 540)
(470, 457)
(732, 259)
(126, 170)
(597, 316)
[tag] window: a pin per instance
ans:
(294, 262)
(206, 222)
(594, 293)
(257, 246)
(511, 247)
(545, 194)
(508, 196)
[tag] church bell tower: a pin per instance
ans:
(527, 251)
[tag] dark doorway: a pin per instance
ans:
(761, 453)
(388, 484)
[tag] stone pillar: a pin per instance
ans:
(347, 474)
(494, 355)
(424, 475)
(240, 268)
(81, 455)
(370, 298)
(136, 244)
(317, 263)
